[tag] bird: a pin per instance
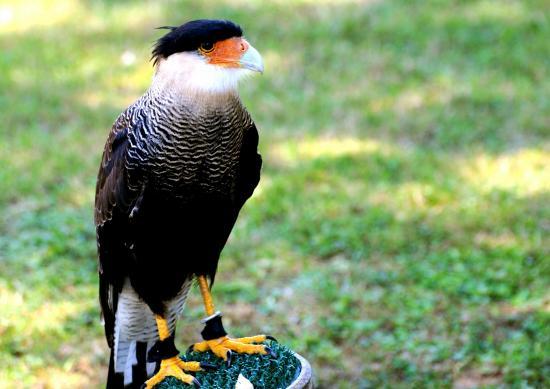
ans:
(177, 167)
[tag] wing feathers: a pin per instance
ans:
(113, 202)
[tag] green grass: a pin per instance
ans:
(399, 236)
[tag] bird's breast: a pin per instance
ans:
(189, 155)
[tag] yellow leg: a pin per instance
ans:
(173, 366)
(223, 346)
(162, 327)
(206, 296)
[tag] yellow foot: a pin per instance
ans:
(173, 367)
(224, 346)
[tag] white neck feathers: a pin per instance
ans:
(188, 73)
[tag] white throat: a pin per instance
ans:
(188, 73)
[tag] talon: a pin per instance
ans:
(208, 366)
(229, 355)
(190, 348)
(173, 367)
(271, 338)
(272, 353)
(196, 382)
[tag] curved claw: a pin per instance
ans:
(272, 353)
(190, 348)
(271, 338)
(208, 366)
(196, 383)
(229, 356)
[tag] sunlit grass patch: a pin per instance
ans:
(524, 172)
(294, 152)
(24, 16)
(509, 12)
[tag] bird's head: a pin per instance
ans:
(204, 56)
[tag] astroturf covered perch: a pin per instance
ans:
(261, 371)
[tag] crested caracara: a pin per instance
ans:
(178, 165)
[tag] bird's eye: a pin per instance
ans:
(207, 47)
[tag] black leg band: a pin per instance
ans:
(162, 349)
(213, 328)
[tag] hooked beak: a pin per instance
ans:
(235, 52)
(252, 60)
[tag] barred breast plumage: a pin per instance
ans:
(177, 145)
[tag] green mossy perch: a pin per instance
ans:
(262, 371)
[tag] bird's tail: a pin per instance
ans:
(136, 369)
(114, 380)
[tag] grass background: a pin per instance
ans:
(399, 236)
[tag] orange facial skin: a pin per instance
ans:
(227, 53)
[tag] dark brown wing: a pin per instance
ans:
(248, 177)
(250, 164)
(111, 188)
(113, 203)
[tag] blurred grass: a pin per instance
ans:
(400, 233)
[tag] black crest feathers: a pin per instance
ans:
(189, 36)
